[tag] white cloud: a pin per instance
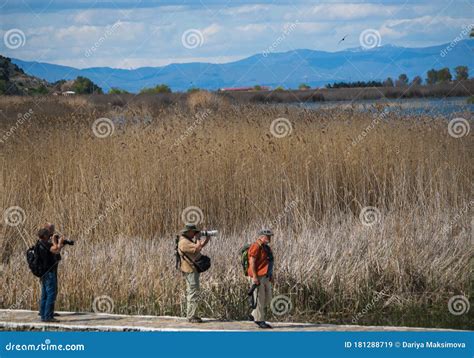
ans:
(76, 33)
(425, 25)
(140, 62)
(352, 11)
(254, 28)
(313, 26)
(152, 35)
(247, 9)
(211, 30)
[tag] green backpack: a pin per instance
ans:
(244, 258)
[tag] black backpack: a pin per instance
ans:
(201, 265)
(35, 263)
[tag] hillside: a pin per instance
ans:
(14, 81)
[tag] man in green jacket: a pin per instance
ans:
(190, 245)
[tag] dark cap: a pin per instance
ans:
(190, 227)
(265, 232)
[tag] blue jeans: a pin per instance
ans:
(49, 289)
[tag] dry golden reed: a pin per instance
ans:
(122, 198)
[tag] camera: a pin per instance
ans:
(66, 242)
(208, 232)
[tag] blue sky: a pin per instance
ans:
(130, 34)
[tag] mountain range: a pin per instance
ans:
(287, 69)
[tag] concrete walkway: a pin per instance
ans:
(23, 320)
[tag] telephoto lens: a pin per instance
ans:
(209, 233)
(66, 242)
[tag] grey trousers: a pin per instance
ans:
(263, 296)
(192, 293)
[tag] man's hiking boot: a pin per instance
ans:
(263, 325)
(195, 320)
(51, 320)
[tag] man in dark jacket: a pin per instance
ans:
(49, 249)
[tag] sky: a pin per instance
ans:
(131, 34)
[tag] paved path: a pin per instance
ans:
(73, 321)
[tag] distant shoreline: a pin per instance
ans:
(464, 89)
(442, 90)
(450, 89)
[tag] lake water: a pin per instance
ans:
(444, 107)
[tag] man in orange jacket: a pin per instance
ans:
(261, 273)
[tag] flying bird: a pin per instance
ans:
(343, 39)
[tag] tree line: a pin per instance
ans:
(83, 85)
(433, 76)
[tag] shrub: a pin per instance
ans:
(204, 99)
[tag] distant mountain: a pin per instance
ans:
(287, 69)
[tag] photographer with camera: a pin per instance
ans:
(43, 259)
(52, 232)
(191, 263)
(48, 255)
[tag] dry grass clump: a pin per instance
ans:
(123, 198)
(204, 99)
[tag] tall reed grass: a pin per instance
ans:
(123, 197)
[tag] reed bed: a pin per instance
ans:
(124, 196)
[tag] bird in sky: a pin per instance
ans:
(343, 39)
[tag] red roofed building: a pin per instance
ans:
(236, 89)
